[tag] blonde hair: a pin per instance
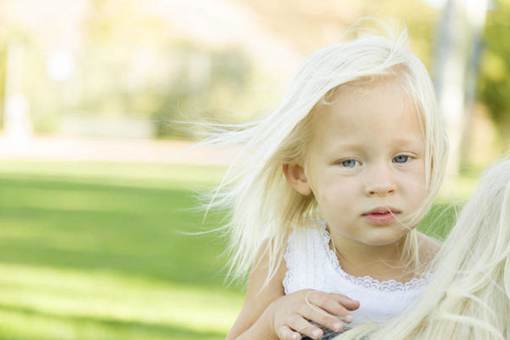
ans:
(468, 296)
(262, 207)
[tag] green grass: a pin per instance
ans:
(97, 251)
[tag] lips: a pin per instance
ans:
(382, 211)
(381, 216)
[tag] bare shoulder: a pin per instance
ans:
(259, 295)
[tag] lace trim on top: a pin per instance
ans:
(289, 274)
(368, 281)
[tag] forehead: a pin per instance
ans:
(380, 112)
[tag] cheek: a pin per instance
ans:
(413, 183)
(325, 196)
(335, 195)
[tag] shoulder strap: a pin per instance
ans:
(305, 258)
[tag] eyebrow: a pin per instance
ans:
(348, 146)
(405, 141)
(395, 142)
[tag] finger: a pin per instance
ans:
(335, 308)
(345, 301)
(302, 326)
(285, 333)
(321, 317)
(330, 303)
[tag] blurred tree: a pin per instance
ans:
(3, 66)
(136, 59)
(3, 74)
(494, 78)
(135, 64)
(451, 54)
(119, 47)
(207, 82)
(327, 20)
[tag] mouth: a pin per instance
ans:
(382, 211)
(381, 216)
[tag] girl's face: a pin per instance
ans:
(366, 152)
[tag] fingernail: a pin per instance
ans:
(347, 318)
(337, 326)
(317, 333)
(295, 336)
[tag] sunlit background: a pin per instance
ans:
(97, 182)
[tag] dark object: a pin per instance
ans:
(327, 334)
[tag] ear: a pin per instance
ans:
(296, 177)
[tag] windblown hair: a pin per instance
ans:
(263, 208)
(468, 296)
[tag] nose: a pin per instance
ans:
(381, 182)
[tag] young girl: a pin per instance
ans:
(468, 296)
(326, 191)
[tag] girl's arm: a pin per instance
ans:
(269, 314)
(255, 319)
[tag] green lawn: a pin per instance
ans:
(97, 251)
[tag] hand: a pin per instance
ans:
(304, 312)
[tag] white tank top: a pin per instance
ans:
(312, 264)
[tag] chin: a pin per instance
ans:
(385, 237)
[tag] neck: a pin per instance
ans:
(382, 262)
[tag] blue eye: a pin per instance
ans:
(349, 163)
(401, 159)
